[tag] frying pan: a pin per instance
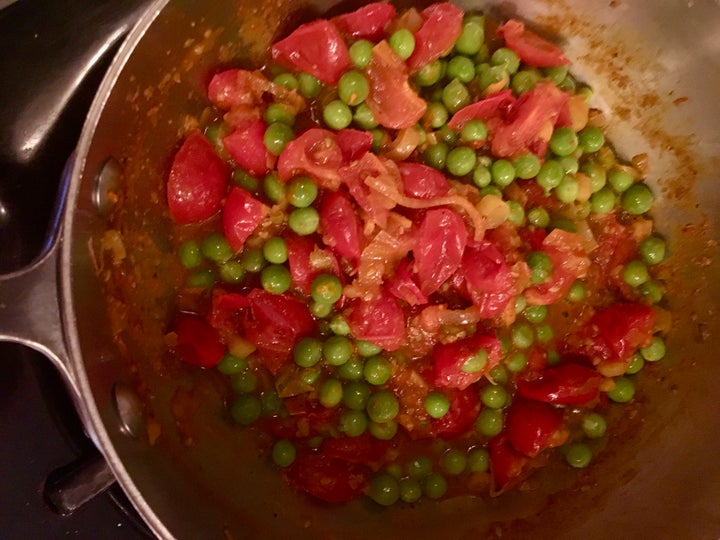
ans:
(97, 301)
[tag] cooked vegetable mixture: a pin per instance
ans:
(413, 253)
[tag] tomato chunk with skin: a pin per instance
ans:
(316, 48)
(316, 153)
(441, 27)
(354, 143)
(531, 48)
(455, 364)
(392, 101)
(402, 285)
(619, 330)
(368, 22)
(307, 259)
(340, 225)
(464, 408)
(488, 278)
(246, 146)
(440, 243)
(328, 479)
(242, 214)
(492, 108)
(380, 321)
(198, 343)
(533, 426)
(361, 449)
(507, 465)
(422, 182)
(197, 182)
(565, 384)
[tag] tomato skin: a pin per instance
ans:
(533, 426)
(246, 147)
(369, 22)
(441, 27)
(198, 343)
(316, 48)
(440, 243)
(448, 360)
(506, 464)
(380, 321)
(392, 101)
(328, 479)
(619, 330)
(403, 286)
(488, 278)
(568, 383)
(361, 449)
(422, 182)
(197, 182)
(493, 107)
(340, 225)
(531, 48)
(242, 214)
(316, 153)
(353, 143)
(464, 408)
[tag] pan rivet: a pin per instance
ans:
(107, 186)
(129, 410)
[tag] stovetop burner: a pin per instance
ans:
(54, 55)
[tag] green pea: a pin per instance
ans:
(367, 349)
(594, 425)
(339, 326)
(603, 201)
(353, 423)
(563, 141)
(330, 393)
(492, 75)
(474, 131)
(275, 278)
(489, 422)
(410, 490)
(190, 254)
(624, 390)
(454, 462)
(302, 192)
(246, 409)
(283, 453)
(384, 490)
(635, 273)
(337, 115)
(499, 374)
(279, 112)
(570, 164)
(523, 335)
(402, 41)
(460, 160)
(577, 292)
(361, 53)
(245, 181)
(308, 86)
(353, 88)
(476, 363)
(307, 352)
(553, 358)
(568, 189)
(253, 260)
(516, 362)
(304, 221)
(216, 248)
(326, 288)
(637, 199)
(556, 74)
(482, 176)
(436, 115)
(356, 395)
(352, 370)
(436, 155)
(636, 364)
(460, 68)
(364, 117)
(517, 213)
(652, 291)
(494, 396)
(620, 180)
(383, 431)
(230, 364)
(436, 404)
(455, 96)
(655, 351)
(244, 382)
(597, 175)
(527, 166)
(502, 172)
(535, 314)
(377, 370)
(274, 189)
(201, 279)
(382, 406)
(435, 486)
(591, 139)
(478, 460)
(275, 250)
(506, 58)
(578, 455)
(550, 175)
(652, 250)
(586, 92)
(277, 135)
(431, 73)
(538, 217)
(419, 467)
(337, 350)
(544, 333)
(231, 272)
(471, 37)
(271, 402)
(448, 135)
(541, 266)
(288, 80)
(310, 376)
(525, 80)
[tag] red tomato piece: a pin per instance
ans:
(422, 182)
(616, 245)
(355, 176)
(316, 153)
(246, 145)
(531, 48)
(531, 114)
(441, 27)
(329, 479)
(507, 465)
(392, 101)
(198, 343)
(533, 426)
(197, 182)
(306, 260)
(464, 408)
(316, 48)
(236, 88)
(494, 106)
(368, 22)
(341, 228)
(307, 418)
(619, 330)
(403, 286)
(242, 214)
(449, 360)
(361, 449)
(488, 278)
(380, 321)
(354, 143)
(565, 384)
(440, 243)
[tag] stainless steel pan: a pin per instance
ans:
(655, 67)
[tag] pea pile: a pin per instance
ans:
(403, 437)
